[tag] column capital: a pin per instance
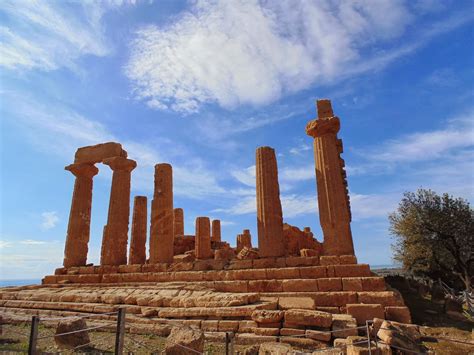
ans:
(120, 163)
(320, 127)
(82, 169)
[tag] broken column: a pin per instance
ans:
(78, 230)
(203, 238)
(162, 216)
(216, 231)
(115, 237)
(178, 222)
(244, 240)
(137, 253)
(269, 212)
(333, 197)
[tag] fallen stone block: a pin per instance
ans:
(71, 341)
(274, 348)
(308, 318)
(265, 316)
(182, 339)
(318, 335)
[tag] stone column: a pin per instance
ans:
(178, 222)
(162, 216)
(333, 197)
(269, 213)
(78, 230)
(115, 239)
(203, 238)
(137, 253)
(216, 231)
(244, 240)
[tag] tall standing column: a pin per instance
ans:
(78, 230)
(203, 238)
(269, 212)
(137, 253)
(178, 222)
(216, 230)
(162, 215)
(333, 197)
(115, 239)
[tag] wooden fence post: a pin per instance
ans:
(120, 332)
(33, 335)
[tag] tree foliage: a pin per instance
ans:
(434, 236)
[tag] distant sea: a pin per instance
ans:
(5, 283)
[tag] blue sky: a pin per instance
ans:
(202, 84)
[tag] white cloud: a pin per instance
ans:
(248, 52)
(32, 242)
(49, 219)
(5, 244)
(49, 35)
(303, 147)
(373, 205)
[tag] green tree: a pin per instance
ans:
(434, 236)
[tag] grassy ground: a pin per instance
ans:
(443, 334)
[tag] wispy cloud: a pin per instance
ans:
(5, 244)
(242, 52)
(32, 242)
(49, 219)
(49, 35)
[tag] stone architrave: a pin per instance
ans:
(333, 197)
(115, 238)
(203, 238)
(78, 230)
(162, 216)
(269, 212)
(216, 230)
(137, 253)
(178, 222)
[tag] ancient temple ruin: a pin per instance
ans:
(288, 284)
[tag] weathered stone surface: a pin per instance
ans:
(162, 216)
(182, 339)
(137, 254)
(247, 253)
(404, 336)
(364, 312)
(296, 302)
(203, 238)
(330, 284)
(269, 212)
(216, 230)
(308, 318)
(296, 239)
(265, 316)
(115, 238)
(343, 325)
(224, 254)
(70, 341)
(97, 153)
(244, 240)
(178, 220)
(318, 335)
(78, 230)
(333, 197)
(274, 348)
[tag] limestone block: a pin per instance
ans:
(398, 314)
(284, 273)
(274, 348)
(264, 263)
(309, 252)
(209, 325)
(364, 312)
(296, 303)
(352, 284)
(330, 284)
(347, 259)
(335, 299)
(247, 253)
(224, 254)
(181, 339)
(401, 336)
(246, 326)
(265, 286)
(228, 326)
(329, 260)
(373, 284)
(313, 272)
(267, 331)
(292, 331)
(71, 341)
(386, 298)
(352, 270)
(343, 326)
(97, 153)
(266, 316)
(308, 318)
(300, 285)
(318, 335)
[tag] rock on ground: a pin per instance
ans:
(182, 339)
(274, 349)
(71, 341)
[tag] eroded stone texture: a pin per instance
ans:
(162, 216)
(216, 231)
(115, 238)
(178, 222)
(333, 197)
(203, 238)
(244, 240)
(139, 225)
(97, 153)
(296, 239)
(78, 230)
(269, 212)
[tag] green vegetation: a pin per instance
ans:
(435, 237)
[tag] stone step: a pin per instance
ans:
(284, 273)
